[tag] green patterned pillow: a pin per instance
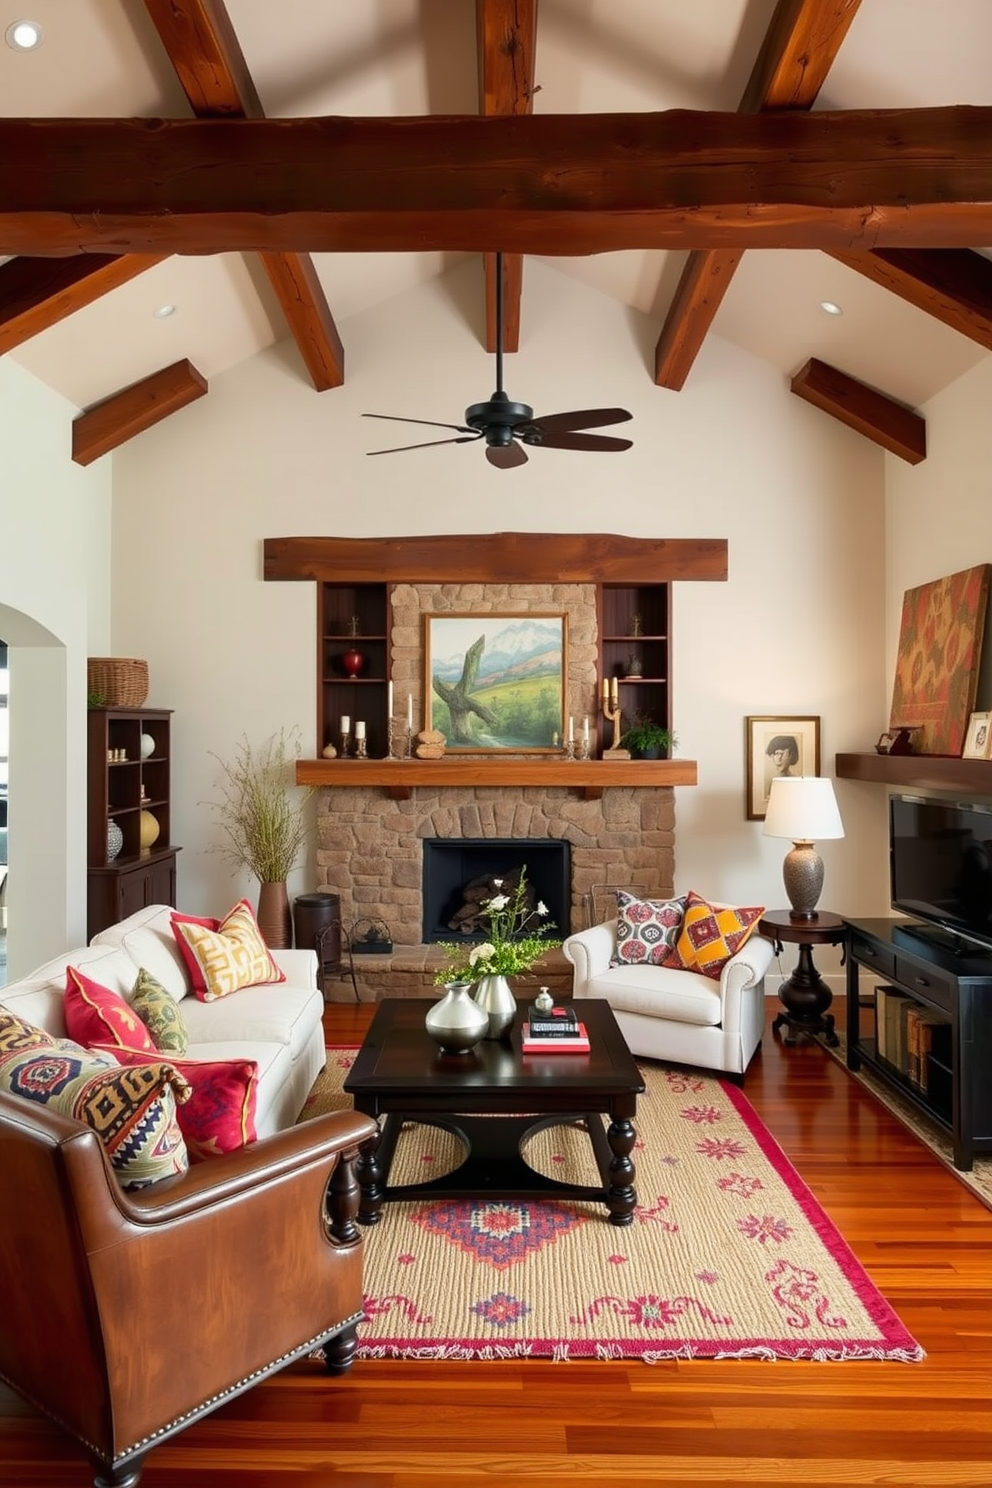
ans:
(132, 1109)
(160, 1013)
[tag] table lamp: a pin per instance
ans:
(804, 809)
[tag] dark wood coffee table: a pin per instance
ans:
(400, 1074)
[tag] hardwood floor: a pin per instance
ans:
(925, 1241)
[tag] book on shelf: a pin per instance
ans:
(578, 1043)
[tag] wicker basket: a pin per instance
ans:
(118, 681)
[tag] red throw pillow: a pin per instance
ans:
(208, 922)
(97, 1015)
(220, 1114)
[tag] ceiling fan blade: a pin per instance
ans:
(588, 418)
(398, 419)
(582, 442)
(505, 456)
(397, 449)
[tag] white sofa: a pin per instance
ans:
(277, 1025)
(677, 1016)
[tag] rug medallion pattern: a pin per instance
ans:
(729, 1254)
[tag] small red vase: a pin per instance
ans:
(353, 662)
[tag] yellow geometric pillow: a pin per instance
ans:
(710, 935)
(232, 956)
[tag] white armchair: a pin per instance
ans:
(677, 1016)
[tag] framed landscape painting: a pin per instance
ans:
(778, 746)
(496, 683)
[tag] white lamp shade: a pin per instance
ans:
(803, 808)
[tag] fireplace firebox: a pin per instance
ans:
(452, 863)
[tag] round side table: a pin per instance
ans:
(805, 997)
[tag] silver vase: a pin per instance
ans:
(455, 1021)
(493, 995)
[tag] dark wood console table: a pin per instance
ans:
(952, 994)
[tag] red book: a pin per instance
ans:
(577, 1045)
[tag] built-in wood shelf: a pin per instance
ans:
(922, 771)
(588, 777)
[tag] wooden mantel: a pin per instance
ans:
(589, 777)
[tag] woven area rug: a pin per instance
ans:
(978, 1180)
(729, 1255)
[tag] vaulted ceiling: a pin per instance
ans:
(723, 166)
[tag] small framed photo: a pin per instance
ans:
(978, 739)
(778, 746)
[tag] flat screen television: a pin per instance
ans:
(940, 865)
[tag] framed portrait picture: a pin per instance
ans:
(978, 739)
(778, 746)
(496, 682)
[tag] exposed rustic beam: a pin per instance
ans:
(565, 557)
(205, 51)
(507, 32)
(550, 184)
(952, 284)
(802, 40)
(890, 424)
(118, 418)
(36, 293)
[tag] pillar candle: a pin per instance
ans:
(409, 710)
(389, 699)
(606, 692)
(614, 692)
(585, 729)
(346, 724)
(571, 730)
(359, 728)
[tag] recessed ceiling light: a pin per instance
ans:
(830, 307)
(23, 36)
(162, 312)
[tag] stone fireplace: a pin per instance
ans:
(451, 864)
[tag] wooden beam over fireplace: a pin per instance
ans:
(497, 557)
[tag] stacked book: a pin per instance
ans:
(557, 1031)
(910, 1036)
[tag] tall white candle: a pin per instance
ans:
(359, 728)
(409, 710)
(389, 699)
(585, 729)
(345, 724)
(571, 730)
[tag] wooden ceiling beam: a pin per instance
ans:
(550, 184)
(507, 44)
(36, 293)
(110, 423)
(802, 40)
(205, 51)
(888, 423)
(954, 285)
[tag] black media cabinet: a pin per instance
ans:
(923, 1024)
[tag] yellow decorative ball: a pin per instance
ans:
(148, 830)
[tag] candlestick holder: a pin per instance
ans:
(568, 749)
(345, 743)
(582, 749)
(361, 749)
(391, 735)
(408, 748)
(612, 714)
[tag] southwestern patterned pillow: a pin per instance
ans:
(232, 956)
(161, 1014)
(711, 935)
(133, 1111)
(646, 929)
(15, 1034)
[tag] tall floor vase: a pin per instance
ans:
(274, 918)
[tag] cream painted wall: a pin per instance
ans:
(797, 629)
(54, 612)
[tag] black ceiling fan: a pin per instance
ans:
(502, 423)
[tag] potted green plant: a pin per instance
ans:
(648, 740)
(262, 815)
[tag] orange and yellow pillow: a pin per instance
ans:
(228, 955)
(710, 935)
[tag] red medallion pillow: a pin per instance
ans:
(219, 1115)
(97, 1015)
(647, 929)
(711, 934)
(232, 956)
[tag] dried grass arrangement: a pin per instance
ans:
(262, 812)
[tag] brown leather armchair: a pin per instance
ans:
(127, 1316)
